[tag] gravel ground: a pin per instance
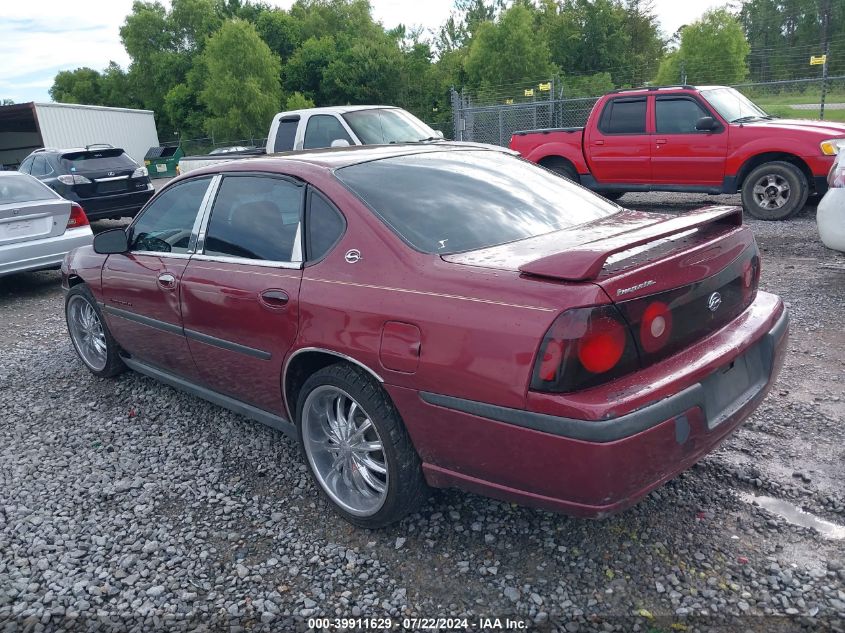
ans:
(125, 505)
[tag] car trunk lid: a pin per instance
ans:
(672, 279)
(38, 219)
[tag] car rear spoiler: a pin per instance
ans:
(586, 261)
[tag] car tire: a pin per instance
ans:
(343, 416)
(775, 191)
(90, 335)
(612, 195)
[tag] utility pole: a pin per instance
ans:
(683, 73)
(825, 6)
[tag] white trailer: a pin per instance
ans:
(28, 126)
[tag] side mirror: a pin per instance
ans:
(340, 142)
(706, 124)
(111, 242)
(438, 133)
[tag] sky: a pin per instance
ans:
(38, 39)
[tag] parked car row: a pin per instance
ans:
(439, 315)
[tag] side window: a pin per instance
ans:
(39, 166)
(286, 134)
(678, 115)
(321, 130)
(165, 225)
(26, 166)
(256, 217)
(324, 225)
(624, 116)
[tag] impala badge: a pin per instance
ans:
(645, 284)
(352, 256)
(714, 301)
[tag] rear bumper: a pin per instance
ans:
(591, 467)
(117, 206)
(44, 253)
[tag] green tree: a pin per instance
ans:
(241, 90)
(507, 51)
(281, 31)
(77, 86)
(367, 72)
(298, 101)
(713, 50)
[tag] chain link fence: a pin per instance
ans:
(493, 116)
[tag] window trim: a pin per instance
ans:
(605, 114)
(309, 194)
(686, 97)
(193, 238)
(200, 254)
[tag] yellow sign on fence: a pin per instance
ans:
(508, 101)
(529, 92)
(818, 60)
(545, 87)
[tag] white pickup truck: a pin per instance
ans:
(336, 126)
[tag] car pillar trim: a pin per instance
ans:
(197, 231)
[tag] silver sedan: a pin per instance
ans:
(37, 226)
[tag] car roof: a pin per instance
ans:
(338, 157)
(337, 109)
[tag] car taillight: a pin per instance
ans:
(77, 217)
(73, 179)
(141, 172)
(836, 177)
(656, 326)
(584, 347)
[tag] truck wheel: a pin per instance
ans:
(612, 195)
(562, 168)
(774, 191)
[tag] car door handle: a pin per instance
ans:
(661, 141)
(274, 298)
(167, 281)
(598, 142)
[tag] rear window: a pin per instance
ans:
(448, 202)
(97, 159)
(23, 188)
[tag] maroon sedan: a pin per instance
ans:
(442, 315)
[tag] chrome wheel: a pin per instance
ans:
(771, 191)
(87, 333)
(345, 450)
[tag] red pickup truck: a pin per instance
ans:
(691, 139)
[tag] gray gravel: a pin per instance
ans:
(125, 505)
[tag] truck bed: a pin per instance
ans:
(549, 130)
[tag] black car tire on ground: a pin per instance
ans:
(406, 487)
(764, 187)
(114, 364)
